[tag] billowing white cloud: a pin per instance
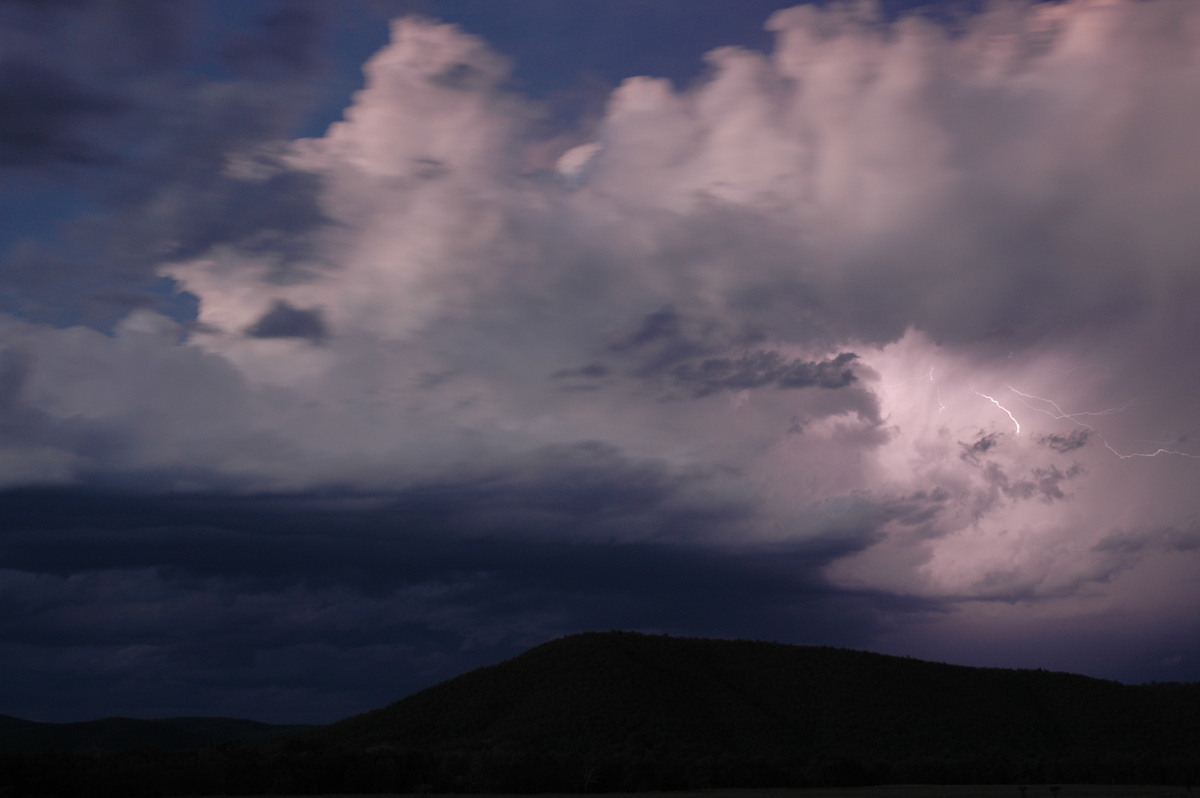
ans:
(996, 222)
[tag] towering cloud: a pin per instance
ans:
(913, 303)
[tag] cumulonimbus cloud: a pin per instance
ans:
(821, 272)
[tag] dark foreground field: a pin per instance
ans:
(885, 791)
(961, 791)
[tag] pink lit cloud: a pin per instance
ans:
(914, 304)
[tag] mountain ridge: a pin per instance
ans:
(787, 710)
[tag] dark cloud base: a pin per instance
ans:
(290, 608)
(309, 609)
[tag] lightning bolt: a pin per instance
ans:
(1150, 454)
(937, 391)
(1016, 423)
(1059, 413)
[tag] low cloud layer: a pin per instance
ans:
(885, 337)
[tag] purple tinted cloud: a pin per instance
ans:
(863, 331)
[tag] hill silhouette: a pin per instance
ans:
(741, 713)
(619, 711)
(9, 723)
(114, 734)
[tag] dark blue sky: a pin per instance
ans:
(317, 388)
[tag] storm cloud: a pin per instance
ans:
(856, 339)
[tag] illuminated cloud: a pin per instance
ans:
(915, 306)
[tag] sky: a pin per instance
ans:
(345, 347)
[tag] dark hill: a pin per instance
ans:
(9, 723)
(115, 734)
(784, 712)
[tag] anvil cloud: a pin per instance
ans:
(884, 337)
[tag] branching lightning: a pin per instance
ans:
(1084, 419)
(1058, 413)
(1155, 453)
(1016, 423)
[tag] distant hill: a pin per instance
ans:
(734, 712)
(8, 723)
(115, 734)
